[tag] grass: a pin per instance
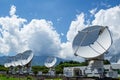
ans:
(54, 79)
(5, 77)
(12, 78)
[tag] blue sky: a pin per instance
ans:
(49, 26)
(60, 12)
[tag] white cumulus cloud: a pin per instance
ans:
(93, 11)
(75, 26)
(110, 17)
(10, 31)
(39, 35)
(12, 10)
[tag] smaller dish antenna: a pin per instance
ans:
(20, 60)
(50, 62)
(7, 65)
(26, 57)
(13, 64)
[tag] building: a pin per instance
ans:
(112, 70)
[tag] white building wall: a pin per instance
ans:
(68, 71)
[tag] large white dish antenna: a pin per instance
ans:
(13, 64)
(92, 42)
(26, 57)
(9, 63)
(50, 62)
(20, 59)
(16, 63)
(19, 63)
(6, 65)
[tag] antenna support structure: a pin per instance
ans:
(92, 43)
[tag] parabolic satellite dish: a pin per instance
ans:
(13, 64)
(26, 57)
(7, 65)
(50, 62)
(92, 42)
(20, 59)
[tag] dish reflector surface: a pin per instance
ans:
(26, 57)
(50, 62)
(7, 65)
(92, 41)
(20, 59)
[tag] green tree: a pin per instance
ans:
(106, 62)
(39, 68)
(2, 68)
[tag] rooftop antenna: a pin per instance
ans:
(91, 43)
